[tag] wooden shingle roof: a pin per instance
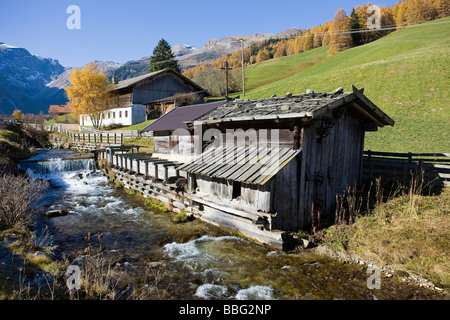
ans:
(132, 82)
(254, 165)
(310, 105)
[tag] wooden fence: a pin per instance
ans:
(126, 133)
(95, 138)
(391, 166)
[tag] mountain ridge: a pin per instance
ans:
(31, 83)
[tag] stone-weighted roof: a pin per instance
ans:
(309, 105)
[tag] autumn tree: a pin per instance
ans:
(262, 55)
(163, 58)
(17, 114)
(91, 94)
(399, 13)
(340, 38)
(318, 36)
(308, 41)
(442, 8)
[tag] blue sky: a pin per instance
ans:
(118, 30)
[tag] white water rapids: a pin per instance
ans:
(198, 260)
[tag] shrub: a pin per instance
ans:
(19, 195)
(156, 204)
(180, 217)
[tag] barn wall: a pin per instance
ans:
(167, 143)
(125, 100)
(162, 87)
(217, 187)
(256, 196)
(285, 196)
(330, 166)
(161, 144)
(138, 114)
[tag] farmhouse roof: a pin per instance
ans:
(175, 118)
(59, 108)
(132, 82)
(310, 105)
(249, 164)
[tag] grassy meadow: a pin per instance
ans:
(405, 74)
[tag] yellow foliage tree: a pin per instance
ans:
(262, 55)
(91, 94)
(308, 42)
(340, 39)
(17, 114)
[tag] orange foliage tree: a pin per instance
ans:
(91, 94)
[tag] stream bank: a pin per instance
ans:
(127, 251)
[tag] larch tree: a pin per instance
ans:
(91, 94)
(340, 37)
(163, 58)
(442, 8)
(308, 42)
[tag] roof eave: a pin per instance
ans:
(253, 118)
(382, 118)
(156, 73)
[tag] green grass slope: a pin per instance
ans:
(405, 73)
(272, 70)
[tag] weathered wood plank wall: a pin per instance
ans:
(329, 166)
(161, 87)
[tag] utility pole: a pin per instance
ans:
(243, 72)
(226, 68)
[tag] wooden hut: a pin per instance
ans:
(305, 149)
(172, 138)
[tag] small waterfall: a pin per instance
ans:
(58, 165)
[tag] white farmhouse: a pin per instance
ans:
(126, 116)
(148, 96)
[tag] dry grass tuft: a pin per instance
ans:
(406, 227)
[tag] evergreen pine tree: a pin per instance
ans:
(354, 25)
(163, 58)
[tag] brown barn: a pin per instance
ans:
(159, 91)
(296, 153)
